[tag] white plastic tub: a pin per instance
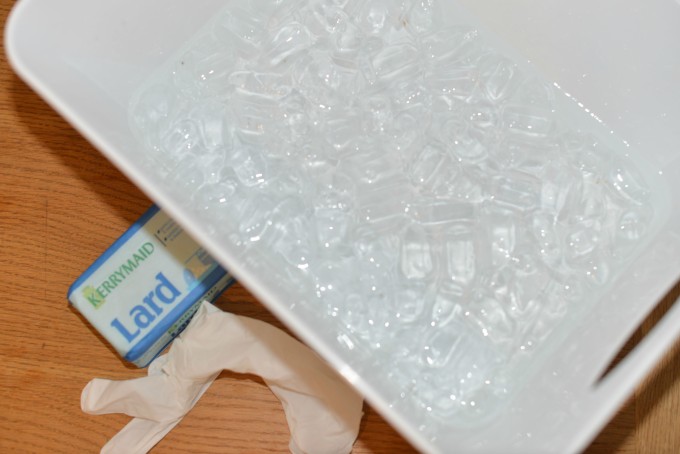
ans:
(620, 59)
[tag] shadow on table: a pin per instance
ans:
(91, 167)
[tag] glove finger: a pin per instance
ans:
(138, 436)
(152, 397)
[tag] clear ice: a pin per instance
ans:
(438, 211)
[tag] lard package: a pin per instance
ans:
(142, 292)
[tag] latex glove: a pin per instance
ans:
(322, 411)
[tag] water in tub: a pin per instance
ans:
(436, 203)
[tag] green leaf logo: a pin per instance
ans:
(93, 296)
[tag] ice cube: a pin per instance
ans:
(449, 80)
(595, 270)
(627, 182)
(333, 281)
(256, 219)
(469, 147)
(327, 18)
(502, 230)
(249, 164)
(209, 117)
(633, 223)
(242, 26)
(348, 42)
(331, 227)
(441, 211)
(447, 305)
(268, 86)
(342, 128)
(458, 44)
(431, 168)
(421, 16)
(384, 205)
(547, 239)
(459, 256)
(517, 190)
(498, 76)
(582, 239)
(294, 233)
(378, 113)
(374, 167)
(377, 17)
(182, 139)
(529, 122)
(216, 197)
(559, 181)
(287, 44)
(492, 320)
(204, 69)
(397, 62)
(416, 253)
(411, 300)
(154, 110)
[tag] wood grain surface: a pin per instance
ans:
(61, 205)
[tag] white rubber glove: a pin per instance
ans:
(322, 411)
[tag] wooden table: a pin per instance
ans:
(61, 204)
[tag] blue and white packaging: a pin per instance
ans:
(142, 292)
